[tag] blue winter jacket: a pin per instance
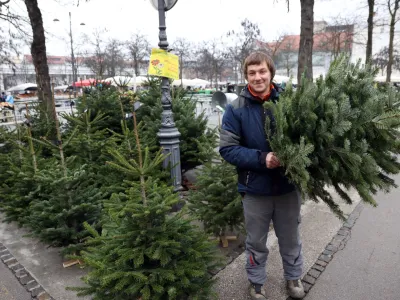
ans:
(243, 143)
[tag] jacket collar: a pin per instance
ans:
(273, 97)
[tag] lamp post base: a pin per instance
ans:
(169, 141)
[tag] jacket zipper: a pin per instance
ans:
(247, 178)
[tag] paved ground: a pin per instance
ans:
(318, 227)
(10, 287)
(42, 261)
(368, 267)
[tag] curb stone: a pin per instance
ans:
(337, 243)
(23, 276)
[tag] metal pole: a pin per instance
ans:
(168, 133)
(74, 79)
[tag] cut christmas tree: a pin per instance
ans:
(340, 132)
(215, 200)
(143, 251)
(193, 128)
(17, 175)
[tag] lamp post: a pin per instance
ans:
(74, 70)
(168, 133)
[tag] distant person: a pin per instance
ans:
(10, 98)
(3, 97)
(9, 103)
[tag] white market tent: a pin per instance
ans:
(141, 79)
(121, 80)
(184, 82)
(61, 88)
(126, 80)
(197, 82)
(280, 79)
(23, 87)
(383, 78)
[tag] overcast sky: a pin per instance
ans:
(196, 20)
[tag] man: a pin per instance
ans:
(267, 194)
(9, 102)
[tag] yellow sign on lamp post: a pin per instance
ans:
(163, 64)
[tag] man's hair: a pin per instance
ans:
(257, 58)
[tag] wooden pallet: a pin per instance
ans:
(72, 262)
(225, 240)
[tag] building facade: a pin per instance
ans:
(60, 70)
(329, 42)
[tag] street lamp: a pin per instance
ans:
(168, 133)
(168, 4)
(74, 71)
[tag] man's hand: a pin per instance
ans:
(271, 161)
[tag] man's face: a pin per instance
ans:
(259, 77)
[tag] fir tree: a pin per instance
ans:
(89, 145)
(215, 200)
(117, 107)
(340, 132)
(63, 202)
(143, 252)
(18, 183)
(68, 194)
(90, 141)
(108, 102)
(193, 129)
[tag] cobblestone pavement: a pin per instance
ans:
(10, 287)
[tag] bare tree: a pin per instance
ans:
(24, 69)
(287, 54)
(139, 49)
(8, 45)
(243, 42)
(182, 47)
(393, 7)
(371, 12)
(115, 58)
(200, 62)
(338, 37)
(273, 47)
(218, 58)
(39, 57)
(204, 62)
(381, 59)
(14, 19)
(306, 40)
(95, 58)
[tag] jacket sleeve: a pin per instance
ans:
(231, 149)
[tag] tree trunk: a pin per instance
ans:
(241, 71)
(391, 38)
(306, 40)
(368, 54)
(39, 57)
(287, 68)
(136, 65)
(236, 73)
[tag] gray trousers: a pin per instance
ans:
(284, 211)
